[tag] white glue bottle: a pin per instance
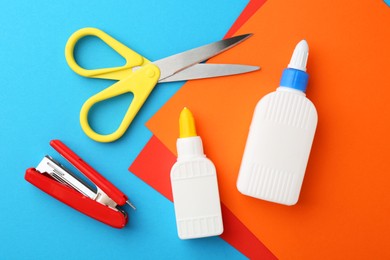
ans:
(194, 185)
(280, 137)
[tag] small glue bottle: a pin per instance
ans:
(280, 137)
(194, 185)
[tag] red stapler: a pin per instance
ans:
(101, 203)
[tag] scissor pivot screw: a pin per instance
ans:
(150, 73)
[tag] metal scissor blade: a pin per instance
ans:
(200, 71)
(175, 63)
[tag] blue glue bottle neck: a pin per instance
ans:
(295, 76)
(295, 79)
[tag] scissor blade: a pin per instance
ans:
(200, 71)
(175, 63)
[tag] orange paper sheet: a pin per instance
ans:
(344, 208)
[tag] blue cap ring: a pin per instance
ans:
(293, 78)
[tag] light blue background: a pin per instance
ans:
(41, 99)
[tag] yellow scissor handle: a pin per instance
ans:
(140, 83)
(132, 58)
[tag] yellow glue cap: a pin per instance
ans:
(187, 124)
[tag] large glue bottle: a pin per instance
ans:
(280, 137)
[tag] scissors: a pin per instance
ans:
(139, 76)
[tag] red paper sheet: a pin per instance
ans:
(155, 161)
(153, 165)
(249, 10)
